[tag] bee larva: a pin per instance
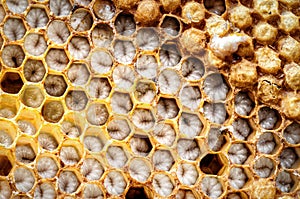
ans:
(238, 153)
(187, 174)
(241, 129)
(169, 81)
(7, 113)
(115, 183)
(146, 66)
(70, 129)
(263, 167)
(60, 7)
(99, 88)
(79, 47)
(91, 169)
(124, 51)
(46, 167)
(188, 149)
(44, 190)
(139, 169)
(288, 157)
(292, 133)
(97, 114)
(147, 39)
(47, 141)
(92, 191)
(57, 59)
(190, 97)
(12, 56)
(116, 157)
(123, 77)
(58, 31)
(118, 129)
(104, 10)
(83, 2)
(215, 87)
(17, 6)
(32, 96)
(35, 44)
(136, 192)
(192, 69)
(93, 143)
(37, 18)
(69, 155)
(167, 108)
(5, 189)
(102, 35)
(121, 103)
(55, 85)
(215, 139)
(125, 24)
(5, 139)
(185, 194)
(24, 179)
(284, 181)
(25, 153)
(211, 187)
(190, 125)
(143, 119)
(68, 182)
(145, 91)
(101, 61)
(171, 26)
(78, 74)
(81, 20)
(215, 112)
(237, 178)
(266, 143)
(76, 100)
(140, 145)
(162, 160)
(53, 111)
(243, 104)
(268, 118)
(11, 83)
(14, 29)
(164, 134)
(216, 6)
(169, 55)
(34, 70)
(162, 184)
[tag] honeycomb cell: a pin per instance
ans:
(47, 141)
(57, 59)
(215, 112)
(190, 124)
(241, 129)
(58, 31)
(68, 181)
(116, 156)
(46, 166)
(124, 51)
(167, 108)
(35, 44)
(102, 35)
(288, 158)
(187, 174)
(215, 87)
(5, 166)
(14, 29)
(147, 12)
(264, 167)
(140, 145)
(185, 194)
(34, 70)
(292, 133)
(139, 169)
(188, 149)
(238, 153)
(268, 118)
(216, 139)
(290, 105)
(45, 189)
(146, 66)
(217, 6)
(104, 10)
(169, 55)
(171, 26)
(91, 169)
(121, 103)
(266, 8)
(12, 55)
(60, 7)
(243, 104)
(118, 128)
(237, 177)
(78, 74)
(71, 129)
(169, 81)
(17, 6)
(264, 33)
(136, 192)
(101, 61)
(211, 186)
(162, 184)
(125, 24)
(147, 39)
(37, 17)
(93, 143)
(69, 155)
(193, 12)
(24, 152)
(76, 100)
(99, 88)
(288, 21)
(240, 16)
(97, 114)
(92, 191)
(266, 143)
(291, 72)
(55, 85)
(11, 82)
(212, 164)
(162, 160)
(193, 40)
(52, 111)
(79, 47)
(5, 188)
(143, 118)
(164, 133)
(289, 48)
(268, 60)
(284, 181)
(190, 97)
(115, 183)
(5, 138)
(145, 91)
(243, 74)
(8, 107)
(192, 69)
(2, 13)
(24, 179)
(32, 96)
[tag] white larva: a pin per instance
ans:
(92, 191)
(143, 119)
(162, 160)
(292, 133)
(145, 92)
(164, 134)
(171, 26)
(34, 70)
(17, 6)
(190, 125)
(46, 167)
(99, 88)
(140, 145)
(188, 149)
(79, 47)
(116, 157)
(24, 179)
(76, 100)
(146, 66)
(162, 184)
(12, 56)
(169, 81)
(167, 108)
(7, 113)
(266, 143)
(125, 24)
(47, 141)
(32, 96)
(92, 143)
(241, 129)
(97, 114)
(169, 55)
(91, 169)
(58, 31)
(287, 158)
(69, 155)
(44, 190)
(267, 118)
(5, 139)
(118, 129)
(37, 18)
(101, 61)
(78, 74)
(185, 194)
(57, 59)
(238, 153)
(124, 51)
(35, 44)
(14, 29)
(190, 97)
(215, 139)
(215, 87)
(70, 129)
(139, 169)
(81, 20)
(263, 167)
(5, 189)
(211, 187)
(243, 105)
(121, 103)
(26, 127)
(192, 69)
(25, 153)
(104, 10)
(187, 174)
(147, 39)
(83, 2)
(284, 181)
(215, 112)
(123, 77)
(60, 7)
(68, 182)
(237, 178)
(115, 183)
(102, 35)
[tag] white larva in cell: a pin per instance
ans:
(284, 181)
(115, 183)
(104, 10)
(143, 119)
(14, 29)
(68, 182)
(146, 66)
(78, 74)
(17, 6)
(125, 24)
(162, 160)
(76, 100)
(241, 129)
(187, 174)
(118, 129)
(7, 113)
(147, 39)
(215, 139)
(140, 145)
(124, 51)
(266, 143)
(24, 179)
(123, 77)
(238, 153)
(167, 108)
(60, 7)
(215, 87)
(243, 104)
(58, 31)
(237, 178)
(57, 59)
(12, 56)
(169, 81)
(287, 158)
(92, 191)
(190, 125)
(215, 112)
(192, 69)
(145, 91)
(162, 184)
(102, 35)
(5, 139)
(185, 194)
(79, 47)
(121, 103)
(81, 20)
(44, 190)
(164, 134)
(47, 141)
(292, 133)
(171, 26)
(97, 114)
(24, 153)
(116, 157)
(211, 187)
(91, 169)
(46, 167)
(37, 18)
(263, 167)
(70, 129)
(101, 62)
(99, 88)
(83, 2)
(32, 97)
(267, 118)
(169, 55)
(34, 70)
(188, 149)
(139, 169)
(69, 155)
(190, 97)
(5, 189)
(92, 143)
(53, 111)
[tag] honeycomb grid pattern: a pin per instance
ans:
(149, 99)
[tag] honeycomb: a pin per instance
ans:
(150, 99)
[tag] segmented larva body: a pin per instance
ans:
(32, 97)
(211, 187)
(243, 103)
(57, 59)
(76, 100)
(70, 129)
(190, 125)
(123, 77)
(5, 139)
(125, 24)
(118, 129)
(143, 119)
(238, 153)
(185, 194)
(34, 70)
(78, 74)
(121, 103)
(5, 190)
(292, 133)
(26, 127)
(167, 108)
(7, 113)
(47, 141)
(45, 190)
(12, 55)
(169, 81)
(162, 184)
(60, 8)
(14, 29)
(91, 169)
(288, 157)
(116, 156)
(162, 160)
(171, 26)
(237, 178)
(25, 153)
(58, 31)
(24, 179)
(124, 51)
(92, 191)
(147, 39)
(140, 145)
(67, 181)
(215, 87)
(37, 17)
(164, 134)
(115, 183)
(35, 44)
(241, 129)
(53, 111)
(92, 143)
(69, 155)
(46, 167)
(263, 167)
(188, 149)
(215, 139)
(187, 174)
(139, 169)
(97, 114)
(81, 20)
(266, 143)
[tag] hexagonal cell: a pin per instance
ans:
(104, 10)
(171, 26)
(47, 166)
(49, 137)
(76, 100)
(118, 128)
(169, 81)
(101, 61)
(115, 183)
(164, 133)
(289, 158)
(213, 163)
(37, 17)
(190, 97)
(125, 24)
(9, 106)
(102, 35)
(187, 174)
(52, 111)
(58, 31)
(169, 55)
(70, 152)
(145, 91)
(14, 29)
(217, 7)
(7, 191)
(237, 177)
(57, 59)
(292, 133)
(188, 149)
(34, 70)
(26, 150)
(147, 39)
(241, 129)
(35, 44)
(17, 6)
(215, 87)
(137, 192)
(140, 144)
(216, 139)
(192, 68)
(238, 153)
(44, 188)
(139, 169)
(121, 103)
(29, 121)
(94, 139)
(79, 47)
(167, 108)
(264, 167)
(243, 104)
(116, 156)
(99, 88)
(124, 51)
(184, 194)
(2, 13)
(97, 114)
(146, 66)
(212, 187)
(162, 184)
(60, 8)
(266, 143)
(5, 165)
(68, 181)
(12, 55)
(162, 160)
(215, 112)
(269, 118)
(24, 179)
(92, 191)
(190, 124)
(11, 82)
(143, 118)
(32, 96)
(285, 181)
(78, 73)
(81, 20)
(55, 85)
(91, 169)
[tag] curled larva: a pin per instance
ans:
(188, 149)
(53, 111)
(57, 59)
(79, 47)
(190, 97)
(92, 191)
(78, 74)
(60, 7)
(115, 183)
(97, 114)
(212, 187)
(37, 18)
(215, 112)
(169, 81)
(102, 35)
(162, 184)
(11, 82)
(125, 24)
(17, 6)
(34, 70)
(162, 160)
(215, 6)
(237, 177)
(190, 125)
(169, 55)
(44, 190)
(284, 181)
(12, 56)
(91, 169)
(216, 139)
(99, 88)
(14, 29)
(266, 143)
(58, 31)
(164, 134)
(104, 10)
(70, 129)
(68, 182)
(123, 77)
(238, 153)
(32, 96)
(146, 66)
(25, 153)
(92, 143)
(81, 20)
(185, 194)
(243, 104)
(124, 51)
(121, 103)
(76, 100)
(263, 167)
(241, 129)
(69, 155)
(147, 39)
(268, 118)
(171, 26)
(143, 119)
(46, 167)
(5, 189)
(24, 179)
(140, 145)
(7, 113)
(292, 133)
(118, 129)
(116, 157)
(101, 61)
(139, 169)
(47, 141)
(35, 44)
(287, 158)
(145, 91)
(215, 87)
(192, 69)
(5, 139)
(187, 174)
(167, 108)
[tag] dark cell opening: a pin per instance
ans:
(211, 164)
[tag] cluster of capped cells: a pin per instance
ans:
(149, 99)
